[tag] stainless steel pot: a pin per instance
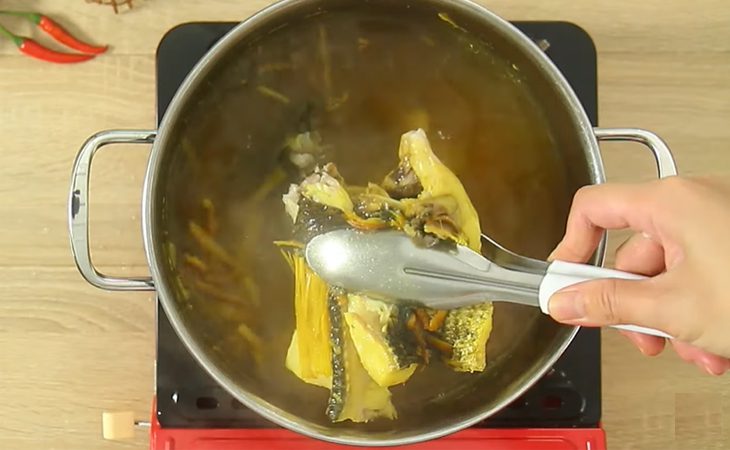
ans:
(524, 345)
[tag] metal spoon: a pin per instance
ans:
(390, 265)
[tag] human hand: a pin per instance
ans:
(681, 240)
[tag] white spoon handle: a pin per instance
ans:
(561, 274)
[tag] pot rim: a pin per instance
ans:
(164, 293)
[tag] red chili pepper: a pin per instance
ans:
(35, 50)
(58, 32)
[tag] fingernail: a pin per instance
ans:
(566, 306)
(551, 256)
(715, 369)
(637, 342)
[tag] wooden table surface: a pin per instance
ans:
(69, 351)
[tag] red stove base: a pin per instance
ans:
(470, 439)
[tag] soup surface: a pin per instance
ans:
(359, 80)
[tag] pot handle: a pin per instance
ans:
(666, 166)
(78, 209)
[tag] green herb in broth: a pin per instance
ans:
(211, 219)
(276, 95)
(362, 43)
(196, 263)
(446, 18)
(221, 282)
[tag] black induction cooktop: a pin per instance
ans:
(568, 396)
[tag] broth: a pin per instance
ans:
(360, 79)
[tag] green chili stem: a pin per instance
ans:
(29, 16)
(16, 39)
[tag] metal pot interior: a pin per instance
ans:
(360, 73)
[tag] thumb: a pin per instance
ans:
(613, 302)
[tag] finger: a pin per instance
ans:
(648, 345)
(640, 254)
(710, 363)
(616, 301)
(600, 207)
